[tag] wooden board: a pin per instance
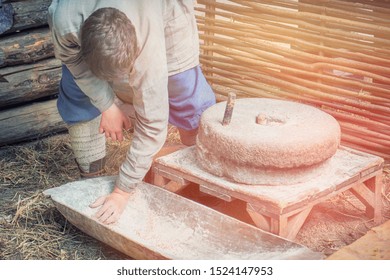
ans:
(158, 224)
(26, 47)
(29, 82)
(374, 245)
(30, 122)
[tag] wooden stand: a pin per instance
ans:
(281, 210)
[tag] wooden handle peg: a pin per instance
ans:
(229, 108)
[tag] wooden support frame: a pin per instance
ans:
(369, 193)
(210, 191)
(168, 181)
(268, 206)
(367, 189)
(284, 225)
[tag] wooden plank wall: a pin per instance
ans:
(334, 55)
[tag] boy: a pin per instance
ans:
(147, 53)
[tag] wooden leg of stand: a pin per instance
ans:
(165, 180)
(286, 225)
(261, 221)
(294, 224)
(369, 193)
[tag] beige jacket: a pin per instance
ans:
(167, 44)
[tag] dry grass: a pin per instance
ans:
(32, 228)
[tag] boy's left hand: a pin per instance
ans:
(112, 206)
(113, 122)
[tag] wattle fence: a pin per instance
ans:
(334, 55)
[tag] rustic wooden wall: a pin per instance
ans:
(29, 73)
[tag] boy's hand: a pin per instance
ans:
(112, 206)
(112, 123)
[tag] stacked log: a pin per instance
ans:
(29, 73)
(334, 55)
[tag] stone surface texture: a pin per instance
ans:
(290, 144)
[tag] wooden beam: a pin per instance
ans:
(26, 47)
(29, 82)
(28, 14)
(30, 122)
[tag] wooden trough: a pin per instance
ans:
(158, 224)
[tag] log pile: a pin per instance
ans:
(29, 73)
(334, 55)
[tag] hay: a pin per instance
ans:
(32, 228)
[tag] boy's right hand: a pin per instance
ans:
(113, 122)
(111, 206)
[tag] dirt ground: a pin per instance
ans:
(32, 228)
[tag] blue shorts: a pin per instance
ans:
(189, 95)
